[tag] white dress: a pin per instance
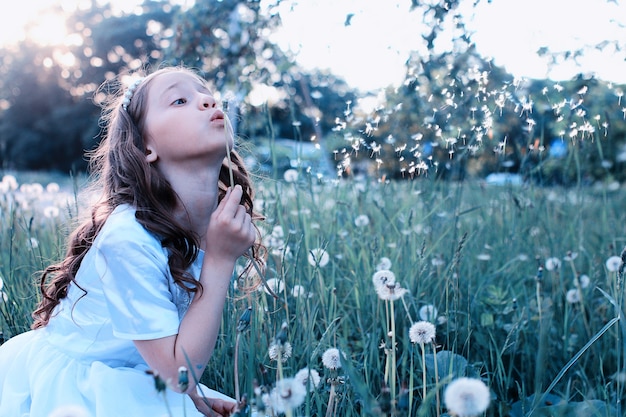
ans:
(85, 357)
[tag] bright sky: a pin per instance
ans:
(370, 52)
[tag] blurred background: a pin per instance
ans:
(497, 90)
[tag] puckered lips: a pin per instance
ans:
(217, 116)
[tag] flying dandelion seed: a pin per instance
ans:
(428, 313)
(318, 257)
(361, 220)
(331, 359)
(422, 332)
(383, 277)
(467, 397)
(552, 264)
(309, 378)
(287, 395)
(613, 263)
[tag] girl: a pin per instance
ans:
(143, 284)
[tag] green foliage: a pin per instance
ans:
(499, 264)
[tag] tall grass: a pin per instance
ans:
(518, 279)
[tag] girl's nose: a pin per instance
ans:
(207, 101)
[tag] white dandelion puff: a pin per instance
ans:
(422, 332)
(51, 212)
(573, 296)
(467, 397)
(391, 291)
(361, 220)
(332, 359)
(613, 263)
(383, 277)
(275, 284)
(53, 188)
(584, 281)
(287, 395)
(309, 378)
(552, 264)
(282, 350)
(383, 263)
(290, 175)
(428, 313)
(318, 257)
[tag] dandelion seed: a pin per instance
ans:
(282, 350)
(553, 264)
(428, 313)
(391, 291)
(573, 296)
(362, 220)
(69, 411)
(287, 395)
(318, 257)
(332, 359)
(467, 397)
(309, 378)
(290, 175)
(613, 263)
(383, 277)
(383, 263)
(483, 257)
(422, 332)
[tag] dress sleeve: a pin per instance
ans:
(135, 281)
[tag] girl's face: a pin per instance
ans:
(183, 124)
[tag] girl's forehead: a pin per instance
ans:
(169, 80)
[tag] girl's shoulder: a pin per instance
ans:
(122, 228)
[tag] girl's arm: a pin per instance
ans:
(230, 234)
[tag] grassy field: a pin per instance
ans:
(522, 285)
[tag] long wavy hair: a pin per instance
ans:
(121, 174)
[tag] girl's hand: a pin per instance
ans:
(230, 231)
(213, 407)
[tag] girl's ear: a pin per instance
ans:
(151, 155)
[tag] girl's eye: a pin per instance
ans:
(179, 101)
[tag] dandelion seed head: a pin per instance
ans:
(51, 212)
(383, 277)
(33, 242)
(613, 263)
(280, 350)
(287, 395)
(383, 263)
(9, 183)
(290, 175)
(428, 312)
(467, 397)
(552, 264)
(422, 332)
(361, 220)
(331, 359)
(309, 378)
(584, 281)
(573, 296)
(391, 291)
(53, 188)
(318, 257)
(299, 291)
(276, 285)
